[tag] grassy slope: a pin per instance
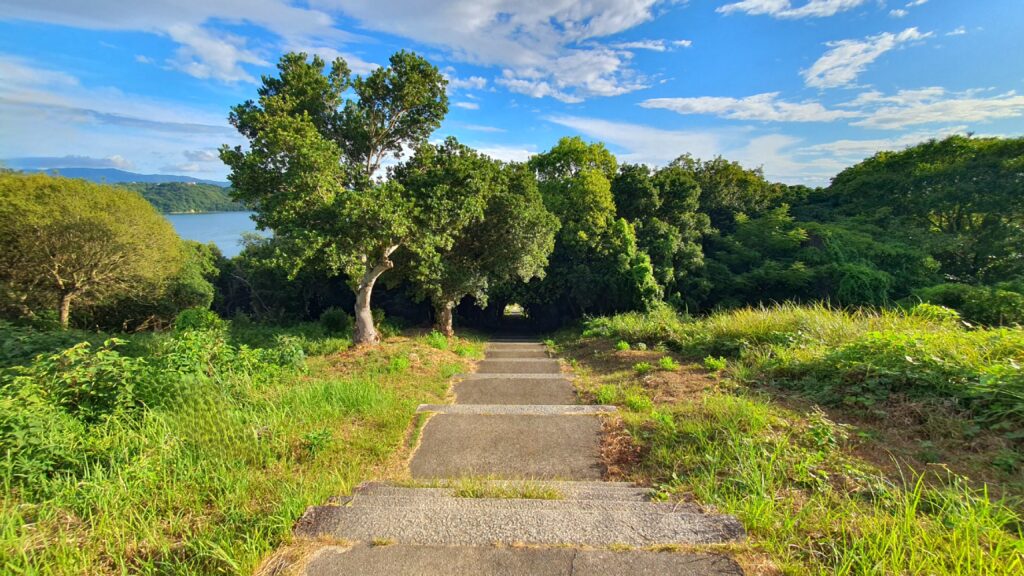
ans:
(214, 483)
(817, 495)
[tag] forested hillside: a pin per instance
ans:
(175, 197)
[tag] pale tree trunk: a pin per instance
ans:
(365, 332)
(64, 309)
(443, 318)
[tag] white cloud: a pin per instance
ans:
(652, 45)
(785, 9)
(846, 59)
(657, 147)
(541, 46)
(355, 63)
(765, 107)
(205, 55)
(468, 105)
(506, 153)
(202, 155)
(935, 106)
(898, 13)
(851, 151)
(482, 128)
(47, 113)
(471, 83)
(143, 59)
(913, 3)
(958, 31)
(203, 52)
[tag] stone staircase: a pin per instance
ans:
(516, 424)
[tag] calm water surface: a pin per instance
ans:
(222, 228)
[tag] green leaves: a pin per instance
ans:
(309, 170)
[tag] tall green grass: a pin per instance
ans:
(189, 453)
(857, 357)
(792, 478)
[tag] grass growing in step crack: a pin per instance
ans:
(484, 488)
(190, 453)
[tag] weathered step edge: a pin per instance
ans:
(474, 526)
(525, 409)
(507, 375)
(569, 491)
(440, 503)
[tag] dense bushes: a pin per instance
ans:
(990, 305)
(58, 411)
(859, 358)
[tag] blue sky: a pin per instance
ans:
(802, 88)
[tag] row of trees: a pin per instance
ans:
(571, 232)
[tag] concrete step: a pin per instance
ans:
(402, 559)
(569, 491)
(516, 354)
(472, 525)
(504, 389)
(418, 500)
(519, 366)
(525, 409)
(516, 346)
(515, 376)
(509, 446)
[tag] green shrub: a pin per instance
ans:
(436, 340)
(198, 319)
(637, 401)
(715, 364)
(622, 345)
(991, 306)
(398, 364)
(935, 312)
(606, 394)
(667, 363)
(642, 368)
(640, 346)
(336, 321)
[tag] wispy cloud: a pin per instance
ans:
(763, 107)
(468, 105)
(785, 8)
(847, 59)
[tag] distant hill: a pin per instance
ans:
(186, 196)
(115, 176)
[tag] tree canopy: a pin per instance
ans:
(309, 170)
(66, 241)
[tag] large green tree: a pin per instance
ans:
(663, 208)
(508, 233)
(67, 242)
(962, 198)
(316, 143)
(596, 266)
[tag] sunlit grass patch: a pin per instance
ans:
(198, 456)
(799, 479)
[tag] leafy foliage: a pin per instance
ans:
(65, 241)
